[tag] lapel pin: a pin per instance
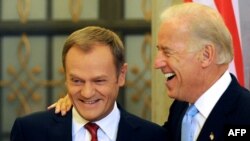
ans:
(211, 136)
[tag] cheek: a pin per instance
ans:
(190, 76)
(108, 92)
(187, 65)
(174, 61)
(72, 90)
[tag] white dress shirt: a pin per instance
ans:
(207, 101)
(107, 131)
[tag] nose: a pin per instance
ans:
(87, 90)
(160, 60)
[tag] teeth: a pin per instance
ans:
(89, 102)
(168, 75)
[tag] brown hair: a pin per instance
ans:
(91, 35)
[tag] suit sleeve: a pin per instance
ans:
(16, 132)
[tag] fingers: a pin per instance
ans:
(62, 106)
(68, 103)
(52, 106)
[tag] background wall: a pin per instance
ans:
(32, 33)
(31, 40)
(245, 37)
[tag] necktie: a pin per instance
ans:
(92, 128)
(189, 124)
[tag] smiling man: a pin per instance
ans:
(194, 53)
(95, 69)
(92, 80)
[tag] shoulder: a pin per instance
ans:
(29, 126)
(237, 100)
(138, 122)
(39, 119)
(36, 118)
(132, 126)
(35, 126)
(238, 93)
(243, 101)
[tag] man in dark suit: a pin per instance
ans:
(231, 110)
(194, 52)
(48, 126)
(95, 69)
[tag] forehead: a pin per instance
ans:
(94, 63)
(100, 50)
(99, 54)
(172, 35)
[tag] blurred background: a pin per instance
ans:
(32, 34)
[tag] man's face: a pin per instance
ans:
(92, 81)
(180, 66)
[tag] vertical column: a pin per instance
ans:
(160, 101)
(111, 10)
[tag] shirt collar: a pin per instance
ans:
(107, 124)
(208, 100)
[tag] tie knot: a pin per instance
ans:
(192, 110)
(92, 128)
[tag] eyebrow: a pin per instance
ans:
(165, 48)
(74, 76)
(96, 77)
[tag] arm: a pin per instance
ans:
(63, 105)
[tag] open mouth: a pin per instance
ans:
(169, 76)
(90, 101)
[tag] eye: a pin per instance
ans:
(166, 52)
(100, 81)
(76, 81)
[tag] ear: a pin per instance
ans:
(122, 75)
(207, 55)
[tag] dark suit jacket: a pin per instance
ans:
(232, 108)
(48, 126)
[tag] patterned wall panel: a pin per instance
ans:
(141, 9)
(59, 89)
(23, 69)
(34, 9)
(74, 9)
(31, 75)
(138, 48)
(138, 84)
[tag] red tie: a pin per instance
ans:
(92, 128)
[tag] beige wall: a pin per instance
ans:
(160, 101)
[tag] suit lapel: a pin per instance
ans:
(61, 127)
(214, 126)
(179, 126)
(174, 122)
(126, 128)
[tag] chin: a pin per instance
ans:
(90, 117)
(171, 94)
